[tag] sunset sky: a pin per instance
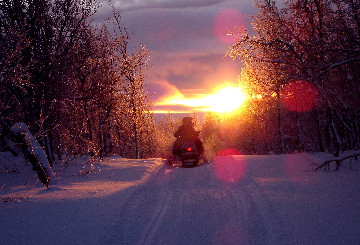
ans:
(187, 40)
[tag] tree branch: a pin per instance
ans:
(337, 161)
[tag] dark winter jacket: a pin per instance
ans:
(186, 133)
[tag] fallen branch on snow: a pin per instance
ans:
(337, 161)
(89, 167)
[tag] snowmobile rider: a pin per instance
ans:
(186, 133)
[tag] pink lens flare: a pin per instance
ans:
(299, 96)
(226, 21)
(228, 152)
(227, 168)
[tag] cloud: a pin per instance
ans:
(185, 51)
(176, 26)
(140, 4)
(194, 71)
(171, 30)
(168, 98)
(162, 92)
(178, 108)
(225, 22)
(154, 26)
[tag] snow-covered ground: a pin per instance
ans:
(232, 200)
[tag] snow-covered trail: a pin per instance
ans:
(193, 206)
(232, 200)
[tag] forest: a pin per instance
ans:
(81, 89)
(302, 71)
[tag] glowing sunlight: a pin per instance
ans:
(224, 100)
(227, 99)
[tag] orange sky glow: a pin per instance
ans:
(190, 71)
(224, 99)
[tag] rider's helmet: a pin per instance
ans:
(187, 121)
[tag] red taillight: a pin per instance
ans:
(189, 149)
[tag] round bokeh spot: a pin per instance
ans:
(228, 169)
(226, 21)
(299, 96)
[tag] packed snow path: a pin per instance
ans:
(232, 200)
(192, 206)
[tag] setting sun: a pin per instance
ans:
(226, 99)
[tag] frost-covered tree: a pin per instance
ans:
(313, 44)
(71, 83)
(136, 106)
(56, 31)
(135, 123)
(164, 135)
(14, 73)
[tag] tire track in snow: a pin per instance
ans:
(258, 219)
(143, 212)
(265, 215)
(153, 223)
(178, 206)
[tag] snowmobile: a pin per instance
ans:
(189, 155)
(187, 147)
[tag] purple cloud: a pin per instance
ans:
(185, 51)
(131, 4)
(162, 91)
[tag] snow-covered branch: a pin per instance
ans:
(338, 64)
(337, 161)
